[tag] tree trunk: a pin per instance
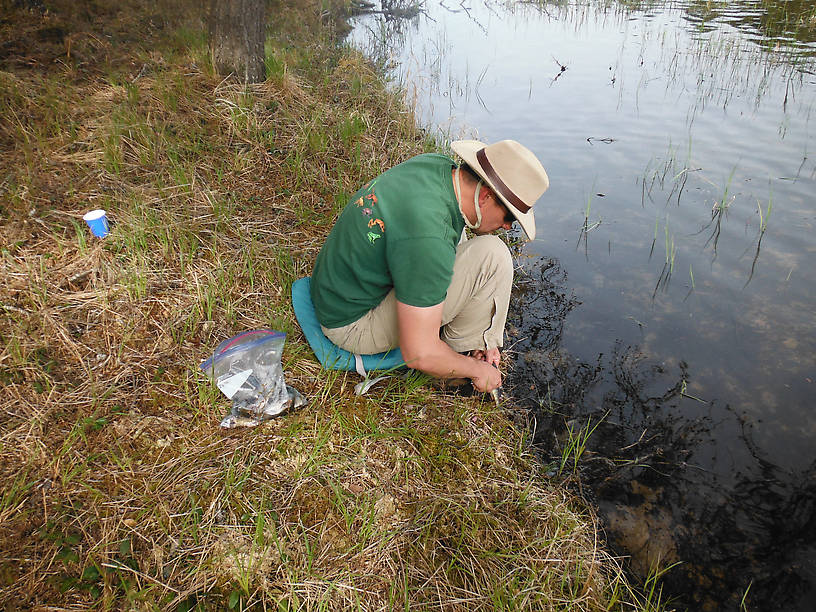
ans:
(237, 32)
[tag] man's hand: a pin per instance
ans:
(491, 356)
(487, 379)
(423, 350)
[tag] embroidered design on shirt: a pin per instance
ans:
(367, 203)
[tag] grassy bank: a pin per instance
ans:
(119, 491)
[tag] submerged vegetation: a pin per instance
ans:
(119, 490)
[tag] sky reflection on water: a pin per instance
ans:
(683, 139)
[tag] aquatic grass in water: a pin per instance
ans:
(654, 589)
(763, 225)
(576, 444)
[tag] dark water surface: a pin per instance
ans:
(668, 298)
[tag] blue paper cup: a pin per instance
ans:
(98, 222)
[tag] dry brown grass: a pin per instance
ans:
(119, 490)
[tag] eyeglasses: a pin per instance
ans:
(508, 216)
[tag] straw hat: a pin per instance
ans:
(512, 171)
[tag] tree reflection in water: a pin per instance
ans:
(653, 464)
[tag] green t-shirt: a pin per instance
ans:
(400, 230)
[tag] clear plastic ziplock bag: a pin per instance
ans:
(247, 369)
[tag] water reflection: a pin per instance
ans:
(771, 24)
(791, 23)
(777, 41)
(649, 463)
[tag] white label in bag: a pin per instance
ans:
(230, 385)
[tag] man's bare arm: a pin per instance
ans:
(423, 350)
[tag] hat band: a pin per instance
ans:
(503, 189)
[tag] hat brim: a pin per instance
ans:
(466, 149)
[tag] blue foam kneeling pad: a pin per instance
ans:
(331, 356)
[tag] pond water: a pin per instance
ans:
(666, 303)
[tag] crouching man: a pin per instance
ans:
(396, 270)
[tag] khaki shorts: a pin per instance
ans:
(474, 310)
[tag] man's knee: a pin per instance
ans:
(491, 251)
